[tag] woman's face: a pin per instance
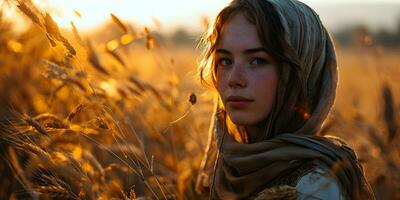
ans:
(247, 76)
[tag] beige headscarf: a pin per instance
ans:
(231, 170)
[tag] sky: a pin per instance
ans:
(187, 13)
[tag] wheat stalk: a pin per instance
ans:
(87, 155)
(119, 23)
(94, 59)
(75, 112)
(33, 148)
(52, 27)
(50, 121)
(54, 192)
(29, 12)
(390, 116)
(35, 124)
(19, 172)
(149, 39)
(76, 34)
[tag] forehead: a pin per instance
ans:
(239, 33)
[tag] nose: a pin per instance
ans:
(237, 77)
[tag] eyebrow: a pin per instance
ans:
(247, 51)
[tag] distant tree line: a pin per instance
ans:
(352, 36)
(361, 35)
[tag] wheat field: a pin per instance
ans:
(119, 114)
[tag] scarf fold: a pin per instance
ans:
(231, 170)
(243, 170)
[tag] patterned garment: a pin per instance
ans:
(318, 184)
(312, 181)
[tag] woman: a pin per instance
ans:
(274, 68)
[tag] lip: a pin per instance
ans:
(238, 102)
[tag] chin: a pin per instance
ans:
(242, 119)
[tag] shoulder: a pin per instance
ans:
(318, 183)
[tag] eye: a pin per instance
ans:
(224, 62)
(259, 61)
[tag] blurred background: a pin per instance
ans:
(101, 99)
(342, 17)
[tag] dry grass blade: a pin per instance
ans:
(119, 23)
(375, 137)
(35, 124)
(97, 123)
(56, 68)
(51, 180)
(76, 34)
(122, 92)
(278, 193)
(125, 148)
(54, 32)
(68, 46)
(54, 92)
(19, 172)
(52, 28)
(29, 12)
(117, 57)
(389, 112)
(149, 39)
(51, 40)
(139, 84)
(87, 155)
(134, 91)
(117, 166)
(123, 194)
(94, 59)
(158, 95)
(77, 13)
(54, 75)
(50, 121)
(54, 192)
(32, 148)
(132, 194)
(75, 112)
(7, 129)
(76, 82)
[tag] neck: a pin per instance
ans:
(255, 131)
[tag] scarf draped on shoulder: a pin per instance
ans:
(231, 170)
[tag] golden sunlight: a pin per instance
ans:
(88, 14)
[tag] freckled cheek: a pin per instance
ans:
(264, 86)
(221, 83)
(264, 79)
